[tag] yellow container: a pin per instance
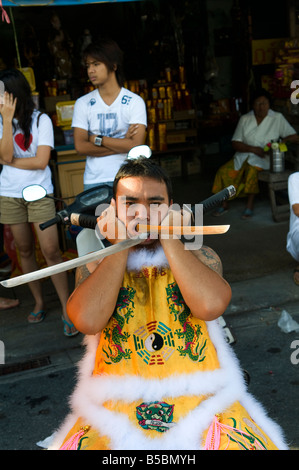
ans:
(29, 75)
(65, 111)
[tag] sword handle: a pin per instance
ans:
(217, 198)
(84, 220)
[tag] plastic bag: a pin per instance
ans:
(286, 323)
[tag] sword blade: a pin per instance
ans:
(186, 230)
(73, 263)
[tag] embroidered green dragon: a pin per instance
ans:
(190, 333)
(113, 333)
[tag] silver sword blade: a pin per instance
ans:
(73, 263)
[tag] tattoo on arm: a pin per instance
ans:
(208, 256)
(82, 273)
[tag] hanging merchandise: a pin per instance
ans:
(5, 16)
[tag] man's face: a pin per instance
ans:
(143, 200)
(97, 71)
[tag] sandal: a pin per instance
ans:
(66, 325)
(40, 314)
(220, 211)
(296, 270)
(247, 214)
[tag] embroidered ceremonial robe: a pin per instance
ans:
(158, 378)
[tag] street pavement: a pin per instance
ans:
(40, 362)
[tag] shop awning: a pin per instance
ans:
(38, 3)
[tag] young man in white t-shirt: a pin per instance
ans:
(110, 120)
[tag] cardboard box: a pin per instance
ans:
(176, 138)
(172, 164)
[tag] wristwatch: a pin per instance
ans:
(98, 140)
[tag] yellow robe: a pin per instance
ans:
(158, 378)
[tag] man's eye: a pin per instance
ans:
(156, 206)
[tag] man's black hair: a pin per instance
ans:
(108, 52)
(146, 168)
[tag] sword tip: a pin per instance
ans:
(4, 283)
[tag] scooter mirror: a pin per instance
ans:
(139, 151)
(34, 192)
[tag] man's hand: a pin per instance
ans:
(131, 131)
(295, 208)
(110, 226)
(175, 217)
(8, 107)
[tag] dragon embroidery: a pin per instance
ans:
(113, 333)
(193, 348)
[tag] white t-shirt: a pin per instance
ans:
(293, 234)
(272, 127)
(13, 180)
(95, 116)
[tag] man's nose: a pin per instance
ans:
(139, 211)
(143, 212)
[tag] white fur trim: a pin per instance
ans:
(223, 387)
(145, 257)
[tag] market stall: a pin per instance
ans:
(172, 118)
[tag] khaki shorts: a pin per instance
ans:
(15, 210)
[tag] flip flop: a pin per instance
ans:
(35, 315)
(247, 214)
(70, 325)
(296, 270)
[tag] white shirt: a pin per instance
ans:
(13, 180)
(293, 234)
(272, 127)
(95, 116)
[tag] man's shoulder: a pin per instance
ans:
(88, 99)
(128, 97)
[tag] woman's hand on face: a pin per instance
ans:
(8, 107)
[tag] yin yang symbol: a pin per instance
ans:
(154, 342)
